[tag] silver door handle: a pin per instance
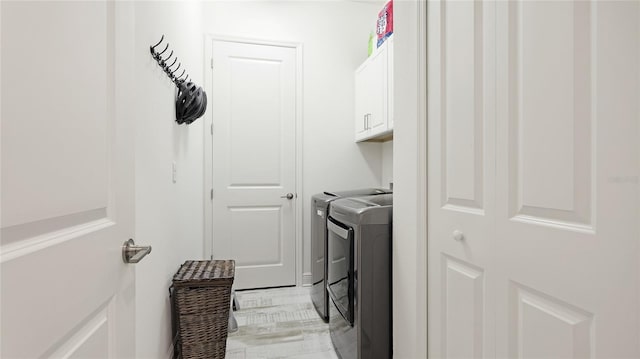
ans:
(287, 196)
(132, 253)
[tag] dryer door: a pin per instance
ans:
(341, 266)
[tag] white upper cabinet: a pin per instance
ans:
(361, 98)
(374, 94)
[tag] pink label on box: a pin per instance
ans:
(384, 26)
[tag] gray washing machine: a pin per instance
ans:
(359, 276)
(319, 210)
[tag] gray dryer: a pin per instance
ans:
(319, 210)
(359, 276)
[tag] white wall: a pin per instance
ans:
(387, 163)
(334, 37)
(409, 172)
(168, 215)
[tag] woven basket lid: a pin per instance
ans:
(205, 273)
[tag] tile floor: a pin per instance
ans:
(279, 323)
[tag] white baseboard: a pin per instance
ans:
(307, 279)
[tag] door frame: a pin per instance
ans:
(208, 143)
(422, 246)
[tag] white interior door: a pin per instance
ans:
(461, 178)
(254, 161)
(67, 180)
(534, 163)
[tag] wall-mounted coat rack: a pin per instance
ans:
(191, 100)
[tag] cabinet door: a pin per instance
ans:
(377, 75)
(361, 98)
(389, 101)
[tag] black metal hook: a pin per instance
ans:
(163, 62)
(191, 100)
(173, 63)
(153, 48)
(159, 42)
(168, 68)
(165, 49)
(177, 68)
(168, 57)
(177, 78)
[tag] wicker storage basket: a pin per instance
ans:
(202, 293)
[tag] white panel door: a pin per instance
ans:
(67, 180)
(546, 264)
(254, 161)
(568, 164)
(461, 151)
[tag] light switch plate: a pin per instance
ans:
(174, 172)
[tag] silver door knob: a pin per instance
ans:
(287, 196)
(132, 253)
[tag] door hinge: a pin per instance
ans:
(212, 129)
(212, 62)
(212, 193)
